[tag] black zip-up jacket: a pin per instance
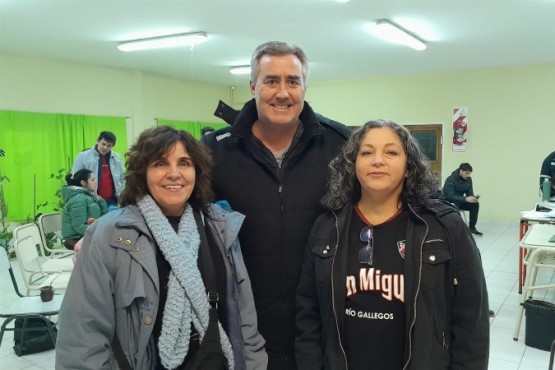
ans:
(446, 299)
(280, 205)
(456, 189)
(548, 172)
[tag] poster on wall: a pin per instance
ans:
(460, 127)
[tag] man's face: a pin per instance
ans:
(279, 89)
(465, 174)
(104, 147)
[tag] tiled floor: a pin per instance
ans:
(499, 249)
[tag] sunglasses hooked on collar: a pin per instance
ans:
(366, 254)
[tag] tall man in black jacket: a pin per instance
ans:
(272, 166)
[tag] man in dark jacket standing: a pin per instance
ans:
(459, 191)
(272, 166)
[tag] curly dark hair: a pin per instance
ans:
(344, 188)
(151, 145)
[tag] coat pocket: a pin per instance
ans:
(129, 285)
(323, 260)
(435, 263)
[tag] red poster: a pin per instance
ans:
(460, 116)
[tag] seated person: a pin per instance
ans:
(458, 190)
(548, 172)
(82, 206)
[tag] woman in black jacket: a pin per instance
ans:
(392, 279)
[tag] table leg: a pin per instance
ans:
(521, 254)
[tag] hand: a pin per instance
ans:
(471, 199)
(90, 220)
(76, 249)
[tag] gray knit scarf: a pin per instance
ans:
(187, 300)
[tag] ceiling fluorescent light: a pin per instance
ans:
(182, 39)
(240, 70)
(391, 32)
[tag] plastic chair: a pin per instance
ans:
(27, 307)
(37, 273)
(52, 224)
(32, 231)
(463, 214)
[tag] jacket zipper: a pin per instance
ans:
(413, 322)
(333, 294)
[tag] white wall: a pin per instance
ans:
(49, 86)
(511, 129)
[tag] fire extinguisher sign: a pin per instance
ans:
(460, 127)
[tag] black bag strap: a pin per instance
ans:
(118, 353)
(207, 264)
(209, 276)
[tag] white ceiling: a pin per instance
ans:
(460, 34)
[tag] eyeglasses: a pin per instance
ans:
(366, 254)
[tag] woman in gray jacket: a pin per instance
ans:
(136, 298)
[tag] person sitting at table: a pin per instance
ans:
(548, 172)
(458, 190)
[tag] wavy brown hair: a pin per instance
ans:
(151, 145)
(344, 188)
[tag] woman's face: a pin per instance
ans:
(91, 184)
(171, 180)
(381, 164)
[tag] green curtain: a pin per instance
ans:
(191, 127)
(40, 146)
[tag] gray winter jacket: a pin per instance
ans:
(90, 158)
(114, 288)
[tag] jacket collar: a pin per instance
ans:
(341, 232)
(97, 153)
(226, 224)
(131, 217)
(129, 227)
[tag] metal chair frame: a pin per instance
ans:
(36, 272)
(543, 257)
(52, 223)
(27, 308)
(33, 231)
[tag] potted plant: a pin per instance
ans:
(58, 204)
(54, 240)
(5, 234)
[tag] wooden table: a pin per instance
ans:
(525, 223)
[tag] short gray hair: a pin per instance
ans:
(278, 48)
